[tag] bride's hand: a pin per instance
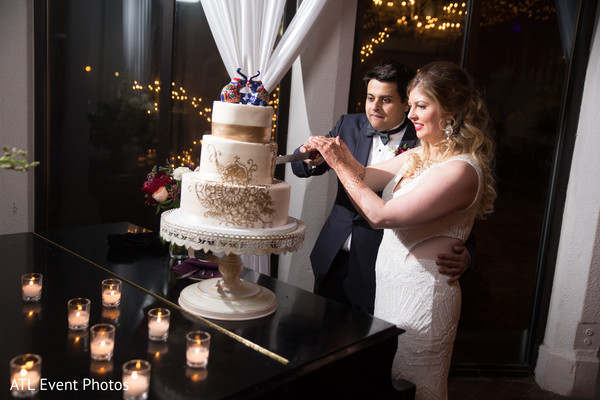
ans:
(334, 150)
(309, 145)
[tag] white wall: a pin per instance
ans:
(319, 96)
(16, 112)
(568, 361)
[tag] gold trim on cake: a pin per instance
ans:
(252, 134)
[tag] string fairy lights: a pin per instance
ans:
(190, 155)
(393, 16)
(428, 17)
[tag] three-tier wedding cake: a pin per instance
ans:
(235, 186)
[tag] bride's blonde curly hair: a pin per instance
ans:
(452, 89)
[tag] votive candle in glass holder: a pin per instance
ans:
(102, 341)
(32, 286)
(78, 313)
(25, 375)
(111, 292)
(197, 349)
(136, 379)
(158, 323)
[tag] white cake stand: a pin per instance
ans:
(229, 297)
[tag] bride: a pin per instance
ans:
(431, 195)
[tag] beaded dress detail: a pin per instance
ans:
(412, 294)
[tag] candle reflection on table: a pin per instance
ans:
(101, 369)
(78, 342)
(157, 350)
(110, 315)
(196, 375)
(32, 312)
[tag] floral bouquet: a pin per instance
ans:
(163, 187)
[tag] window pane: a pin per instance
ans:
(411, 32)
(519, 60)
(102, 117)
(198, 77)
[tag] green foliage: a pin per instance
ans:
(15, 159)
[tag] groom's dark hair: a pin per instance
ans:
(391, 71)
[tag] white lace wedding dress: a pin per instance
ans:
(413, 295)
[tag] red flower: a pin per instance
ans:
(161, 178)
(150, 187)
(156, 181)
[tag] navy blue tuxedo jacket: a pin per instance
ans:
(345, 220)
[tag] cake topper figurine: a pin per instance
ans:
(254, 93)
(232, 92)
(260, 96)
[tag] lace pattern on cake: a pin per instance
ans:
(236, 205)
(176, 227)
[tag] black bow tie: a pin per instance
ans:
(385, 135)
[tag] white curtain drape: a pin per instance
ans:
(136, 36)
(245, 32)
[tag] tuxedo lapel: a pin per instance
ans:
(363, 144)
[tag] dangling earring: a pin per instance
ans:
(448, 130)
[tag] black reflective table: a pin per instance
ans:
(309, 346)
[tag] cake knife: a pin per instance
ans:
(294, 157)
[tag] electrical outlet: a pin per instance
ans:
(588, 337)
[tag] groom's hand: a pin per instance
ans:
(454, 264)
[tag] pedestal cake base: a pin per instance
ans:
(207, 299)
(229, 297)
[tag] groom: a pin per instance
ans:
(343, 258)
